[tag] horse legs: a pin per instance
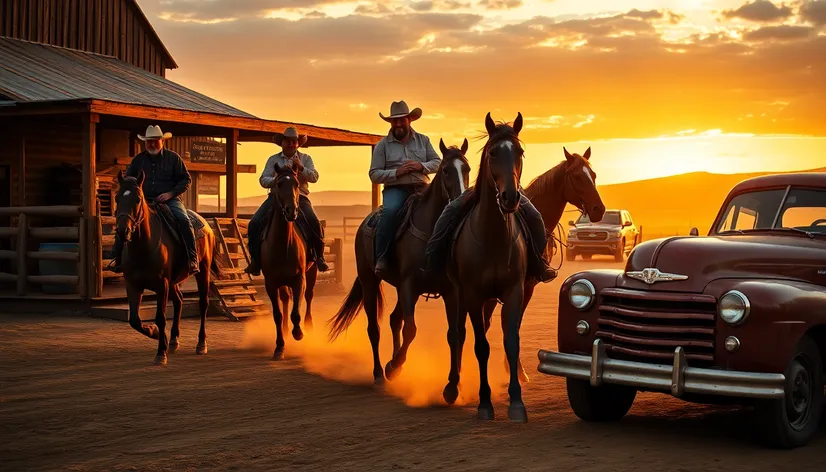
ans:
(135, 294)
(456, 320)
(160, 322)
(177, 308)
(407, 300)
(284, 296)
(523, 376)
(309, 289)
(370, 287)
(202, 278)
(273, 293)
(396, 321)
(295, 315)
(512, 319)
(482, 349)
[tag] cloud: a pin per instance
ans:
(814, 12)
(500, 4)
(198, 10)
(781, 32)
(760, 11)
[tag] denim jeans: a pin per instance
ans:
(393, 199)
(255, 226)
(258, 221)
(317, 236)
(184, 226)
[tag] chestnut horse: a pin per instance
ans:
(153, 260)
(449, 182)
(571, 181)
(284, 258)
(489, 261)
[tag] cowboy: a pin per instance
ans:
(289, 141)
(166, 180)
(401, 161)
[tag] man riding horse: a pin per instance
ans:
(166, 180)
(401, 161)
(289, 141)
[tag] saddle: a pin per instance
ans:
(168, 220)
(403, 223)
(302, 226)
(465, 215)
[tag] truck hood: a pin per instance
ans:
(705, 259)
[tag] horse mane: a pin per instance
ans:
(545, 183)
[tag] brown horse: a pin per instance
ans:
(491, 230)
(450, 180)
(153, 260)
(284, 259)
(571, 181)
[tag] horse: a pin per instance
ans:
(154, 258)
(449, 182)
(284, 259)
(571, 181)
(491, 229)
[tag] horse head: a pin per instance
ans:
(581, 185)
(454, 169)
(286, 190)
(130, 205)
(501, 162)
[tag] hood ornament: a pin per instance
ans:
(653, 275)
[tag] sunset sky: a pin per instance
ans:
(654, 87)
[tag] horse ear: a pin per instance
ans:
(141, 176)
(587, 154)
(464, 147)
(567, 154)
(490, 126)
(517, 123)
(442, 146)
(120, 177)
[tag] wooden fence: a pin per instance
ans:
(346, 230)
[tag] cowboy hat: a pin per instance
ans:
(400, 109)
(290, 133)
(154, 132)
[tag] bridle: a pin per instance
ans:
(278, 179)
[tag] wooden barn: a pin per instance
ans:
(79, 79)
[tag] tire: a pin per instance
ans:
(803, 400)
(603, 403)
(586, 257)
(619, 256)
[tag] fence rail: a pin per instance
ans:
(346, 230)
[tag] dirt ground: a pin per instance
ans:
(81, 394)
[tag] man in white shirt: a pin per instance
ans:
(289, 141)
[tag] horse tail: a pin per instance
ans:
(350, 309)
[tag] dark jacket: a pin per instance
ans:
(165, 172)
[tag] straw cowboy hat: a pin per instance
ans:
(154, 132)
(290, 133)
(400, 109)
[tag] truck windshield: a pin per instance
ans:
(765, 210)
(608, 218)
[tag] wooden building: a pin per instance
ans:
(79, 79)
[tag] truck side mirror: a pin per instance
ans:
(571, 223)
(627, 223)
(694, 232)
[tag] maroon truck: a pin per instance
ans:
(736, 316)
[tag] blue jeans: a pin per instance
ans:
(184, 226)
(393, 199)
(258, 221)
(255, 226)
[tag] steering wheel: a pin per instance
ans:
(817, 222)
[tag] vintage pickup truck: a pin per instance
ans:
(736, 316)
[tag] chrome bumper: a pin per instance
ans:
(678, 378)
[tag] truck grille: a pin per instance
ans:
(591, 235)
(648, 326)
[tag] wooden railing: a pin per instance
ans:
(22, 233)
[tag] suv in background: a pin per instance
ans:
(614, 235)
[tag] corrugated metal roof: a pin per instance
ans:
(31, 72)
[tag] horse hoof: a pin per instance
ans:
(154, 332)
(485, 413)
(391, 372)
(379, 381)
(308, 325)
(201, 349)
(517, 413)
(173, 346)
(451, 393)
(278, 354)
(160, 359)
(297, 334)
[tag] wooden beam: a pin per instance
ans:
(22, 261)
(232, 174)
(21, 168)
(89, 199)
(203, 167)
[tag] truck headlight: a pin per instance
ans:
(582, 294)
(733, 307)
(616, 234)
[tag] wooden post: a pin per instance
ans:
(21, 169)
(88, 156)
(96, 281)
(376, 201)
(22, 240)
(232, 175)
(82, 259)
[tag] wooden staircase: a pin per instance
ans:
(233, 292)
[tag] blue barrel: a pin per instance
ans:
(59, 267)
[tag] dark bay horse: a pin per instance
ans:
(489, 261)
(571, 181)
(449, 182)
(284, 259)
(154, 260)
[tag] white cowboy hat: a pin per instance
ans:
(400, 109)
(290, 133)
(154, 132)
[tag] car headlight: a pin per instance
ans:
(616, 234)
(733, 307)
(582, 294)
(572, 233)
